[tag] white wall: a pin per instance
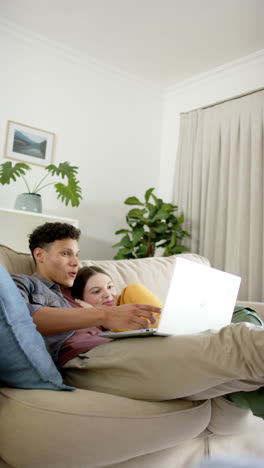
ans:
(219, 84)
(106, 123)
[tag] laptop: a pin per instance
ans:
(199, 298)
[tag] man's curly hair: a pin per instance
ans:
(50, 232)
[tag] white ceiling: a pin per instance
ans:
(164, 41)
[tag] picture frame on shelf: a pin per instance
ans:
(28, 144)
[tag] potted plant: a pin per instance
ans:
(70, 192)
(149, 227)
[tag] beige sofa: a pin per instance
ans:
(85, 429)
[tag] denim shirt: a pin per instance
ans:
(40, 292)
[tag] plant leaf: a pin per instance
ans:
(148, 193)
(137, 235)
(8, 172)
(161, 214)
(141, 252)
(133, 201)
(124, 253)
(180, 218)
(136, 213)
(177, 249)
(122, 231)
(69, 193)
(118, 244)
(168, 207)
(150, 207)
(126, 241)
(64, 169)
(161, 228)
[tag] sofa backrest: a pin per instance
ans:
(153, 272)
(16, 262)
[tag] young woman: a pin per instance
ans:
(95, 287)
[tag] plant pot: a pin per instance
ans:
(29, 202)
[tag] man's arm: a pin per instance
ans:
(58, 319)
(52, 320)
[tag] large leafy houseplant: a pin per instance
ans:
(151, 226)
(69, 192)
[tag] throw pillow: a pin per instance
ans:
(24, 359)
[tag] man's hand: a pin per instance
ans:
(129, 316)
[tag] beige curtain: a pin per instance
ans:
(219, 185)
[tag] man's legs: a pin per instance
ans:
(198, 366)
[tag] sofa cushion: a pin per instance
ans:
(24, 360)
(16, 262)
(92, 429)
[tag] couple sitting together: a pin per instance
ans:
(71, 308)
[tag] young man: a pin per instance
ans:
(198, 366)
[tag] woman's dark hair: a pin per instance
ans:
(50, 232)
(82, 277)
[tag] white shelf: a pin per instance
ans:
(16, 225)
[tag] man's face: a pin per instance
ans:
(58, 262)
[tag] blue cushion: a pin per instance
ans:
(24, 359)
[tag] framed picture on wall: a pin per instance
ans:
(28, 144)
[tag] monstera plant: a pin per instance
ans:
(151, 225)
(69, 192)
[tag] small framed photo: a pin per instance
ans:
(28, 144)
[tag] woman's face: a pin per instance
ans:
(99, 290)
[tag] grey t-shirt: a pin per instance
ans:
(40, 292)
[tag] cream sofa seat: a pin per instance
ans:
(86, 429)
